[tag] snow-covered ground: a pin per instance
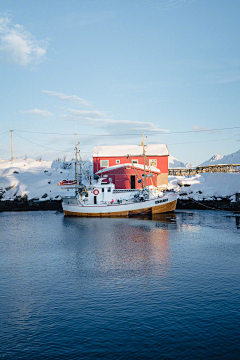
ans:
(39, 179)
(207, 185)
(35, 179)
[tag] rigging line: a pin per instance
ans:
(43, 146)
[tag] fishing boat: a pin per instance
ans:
(101, 199)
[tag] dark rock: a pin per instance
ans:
(30, 205)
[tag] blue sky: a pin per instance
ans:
(110, 70)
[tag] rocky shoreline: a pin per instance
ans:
(224, 204)
(30, 205)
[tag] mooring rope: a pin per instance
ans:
(212, 208)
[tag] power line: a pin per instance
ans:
(43, 146)
(182, 143)
(42, 132)
(203, 130)
(4, 135)
(136, 134)
(202, 141)
(5, 132)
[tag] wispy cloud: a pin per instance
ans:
(200, 128)
(71, 98)
(19, 45)
(38, 112)
(88, 113)
(100, 120)
(170, 4)
(225, 77)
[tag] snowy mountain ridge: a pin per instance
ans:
(223, 159)
(174, 163)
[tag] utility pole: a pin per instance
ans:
(12, 145)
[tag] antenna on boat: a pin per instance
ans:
(76, 144)
(144, 160)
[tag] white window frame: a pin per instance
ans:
(117, 161)
(135, 161)
(101, 163)
(150, 161)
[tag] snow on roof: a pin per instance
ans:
(134, 150)
(137, 166)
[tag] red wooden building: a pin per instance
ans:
(112, 162)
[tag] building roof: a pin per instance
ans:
(137, 166)
(132, 150)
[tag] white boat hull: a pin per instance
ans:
(158, 205)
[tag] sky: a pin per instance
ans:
(110, 70)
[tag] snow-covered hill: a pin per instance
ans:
(35, 179)
(174, 163)
(223, 159)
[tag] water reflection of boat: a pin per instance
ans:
(120, 243)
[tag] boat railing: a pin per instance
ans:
(118, 191)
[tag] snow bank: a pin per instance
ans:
(207, 185)
(34, 178)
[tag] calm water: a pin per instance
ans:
(79, 288)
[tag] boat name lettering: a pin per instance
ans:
(161, 201)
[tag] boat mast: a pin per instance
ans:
(76, 144)
(144, 161)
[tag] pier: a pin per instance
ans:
(220, 168)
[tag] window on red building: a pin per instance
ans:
(153, 162)
(104, 163)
